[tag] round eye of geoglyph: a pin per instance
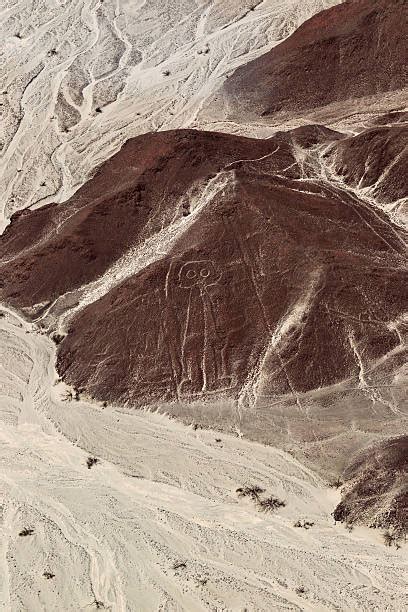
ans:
(204, 272)
(191, 273)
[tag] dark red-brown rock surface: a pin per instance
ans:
(376, 489)
(285, 280)
(352, 51)
(263, 286)
(141, 190)
(374, 160)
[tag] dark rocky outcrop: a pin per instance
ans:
(376, 487)
(376, 159)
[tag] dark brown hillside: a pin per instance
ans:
(275, 285)
(142, 189)
(376, 490)
(354, 50)
(377, 159)
(283, 281)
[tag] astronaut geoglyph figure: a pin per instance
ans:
(203, 348)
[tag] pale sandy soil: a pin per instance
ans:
(162, 494)
(147, 64)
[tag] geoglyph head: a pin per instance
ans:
(198, 273)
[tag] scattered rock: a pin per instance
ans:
(304, 524)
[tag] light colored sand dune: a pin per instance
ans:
(148, 65)
(162, 494)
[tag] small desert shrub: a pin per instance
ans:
(304, 524)
(336, 484)
(58, 338)
(300, 590)
(179, 565)
(252, 491)
(26, 532)
(391, 538)
(349, 526)
(270, 504)
(48, 575)
(91, 461)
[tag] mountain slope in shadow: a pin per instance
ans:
(376, 489)
(340, 62)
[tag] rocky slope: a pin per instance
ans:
(376, 489)
(374, 163)
(272, 300)
(349, 59)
